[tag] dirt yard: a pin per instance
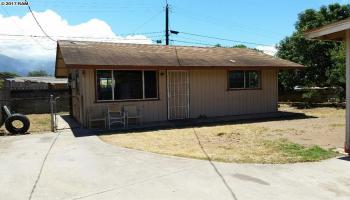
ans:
(38, 123)
(279, 141)
(325, 128)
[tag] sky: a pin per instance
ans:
(256, 23)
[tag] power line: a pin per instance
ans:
(240, 28)
(22, 30)
(108, 5)
(80, 37)
(210, 19)
(190, 38)
(37, 22)
(148, 20)
(188, 42)
(224, 39)
(140, 33)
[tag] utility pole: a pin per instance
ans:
(167, 23)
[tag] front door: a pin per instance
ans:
(178, 94)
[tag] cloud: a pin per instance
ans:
(43, 48)
(270, 50)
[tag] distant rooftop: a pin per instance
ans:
(41, 79)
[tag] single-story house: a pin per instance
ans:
(338, 31)
(170, 82)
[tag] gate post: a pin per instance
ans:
(347, 130)
(52, 114)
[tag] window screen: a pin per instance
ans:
(252, 79)
(128, 85)
(236, 79)
(244, 79)
(104, 84)
(150, 84)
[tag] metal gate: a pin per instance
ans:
(178, 94)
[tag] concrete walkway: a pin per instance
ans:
(62, 166)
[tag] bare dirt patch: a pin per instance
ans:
(281, 141)
(326, 128)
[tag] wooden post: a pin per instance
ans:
(52, 114)
(347, 134)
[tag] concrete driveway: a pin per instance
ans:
(62, 166)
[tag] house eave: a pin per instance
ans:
(143, 67)
(332, 32)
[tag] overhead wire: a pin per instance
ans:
(148, 20)
(200, 42)
(37, 22)
(212, 20)
(96, 6)
(22, 30)
(140, 33)
(81, 37)
(223, 39)
(189, 42)
(190, 38)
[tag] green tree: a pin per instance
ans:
(4, 75)
(38, 73)
(324, 61)
(242, 46)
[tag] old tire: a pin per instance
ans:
(3, 116)
(17, 117)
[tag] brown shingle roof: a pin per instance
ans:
(83, 53)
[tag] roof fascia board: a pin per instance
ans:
(181, 67)
(328, 29)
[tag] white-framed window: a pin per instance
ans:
(119, 85)
(244, 79)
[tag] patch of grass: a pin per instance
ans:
(314, 153)
(337, 125)
(298, 153)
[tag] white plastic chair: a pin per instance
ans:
(132, 112)
(97, 114)
(115, 116)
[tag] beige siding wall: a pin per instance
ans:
(152, 110)
(76, 96)
(208, 96)
(60, 70)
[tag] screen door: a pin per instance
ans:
(178, 94)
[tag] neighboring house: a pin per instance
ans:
(338, 31)
(170, 82)
(36, 83)
(31, 94)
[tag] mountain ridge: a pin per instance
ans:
(22, 67)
